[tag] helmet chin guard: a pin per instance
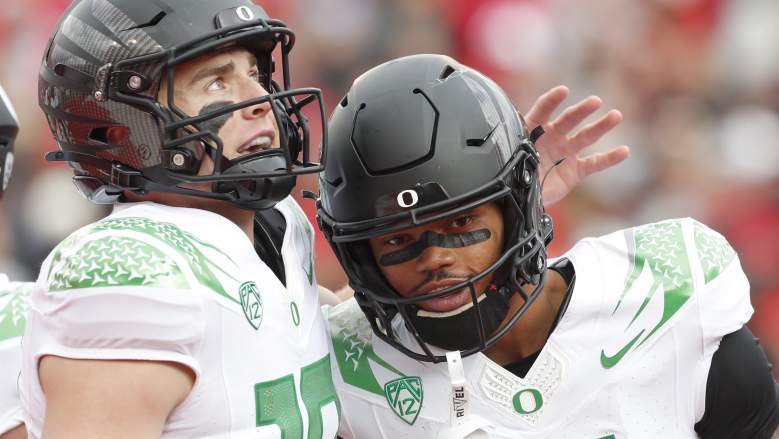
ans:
(457, 143)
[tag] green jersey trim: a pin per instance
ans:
(659, 248)
(127, 252)
(351, 336)
(714, 251)
(13, 310)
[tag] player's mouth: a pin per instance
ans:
(259, 142)
(448, 302)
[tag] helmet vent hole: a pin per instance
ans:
(337, 182)
(345, 101)
(153, 22)
(480, 142)
(448, 70)
(59, 69)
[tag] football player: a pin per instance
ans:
(432, 201)
(161, 320)
(13, 297)
(130, 136)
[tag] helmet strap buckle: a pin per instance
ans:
(125, 177)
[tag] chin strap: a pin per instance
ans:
(459, 407)
(462, 424)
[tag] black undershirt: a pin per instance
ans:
(742, 397)
(269, 227)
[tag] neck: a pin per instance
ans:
(530, 333)
(243, 218)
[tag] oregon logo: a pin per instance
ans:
(244, 13)
(408, 198)
(404, 396)
(251, 302)
(527, 401)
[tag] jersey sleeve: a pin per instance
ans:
(117, 297)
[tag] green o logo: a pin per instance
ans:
(527, 401)
(293, 308)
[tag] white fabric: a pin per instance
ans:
(13, 314)
(579, 387)
(184, 285)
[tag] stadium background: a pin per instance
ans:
(697, 82)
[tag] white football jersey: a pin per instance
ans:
(159, 283)
(13, 316)
(628, 359)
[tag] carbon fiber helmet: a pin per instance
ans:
(9, 126)
(103, 68)
(416, 140)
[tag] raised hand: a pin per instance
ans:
(558, 142)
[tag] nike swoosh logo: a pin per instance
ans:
(610, 361)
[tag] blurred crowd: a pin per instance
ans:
(696, 80)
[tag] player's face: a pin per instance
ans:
(438, 255)
(210, 82)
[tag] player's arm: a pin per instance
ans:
(109, 398)
(18, 432)
(742, 398)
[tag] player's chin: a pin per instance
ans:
(448, 303)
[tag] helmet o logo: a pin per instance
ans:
(244, 13)
(408, 198)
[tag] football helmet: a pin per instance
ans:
(103, 68)
(9, 126)
(416, 140)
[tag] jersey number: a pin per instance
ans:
(276, 401)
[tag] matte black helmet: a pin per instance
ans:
(103, 68)
(9, 126)
(416, 140)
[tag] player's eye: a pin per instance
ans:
(215, 85)
(396, 240)
(461, 221)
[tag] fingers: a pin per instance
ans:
(599, 162)
(544, 106)
(575, 114)
(594, 131)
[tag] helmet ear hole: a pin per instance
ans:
(108, 135)
(117, 135)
